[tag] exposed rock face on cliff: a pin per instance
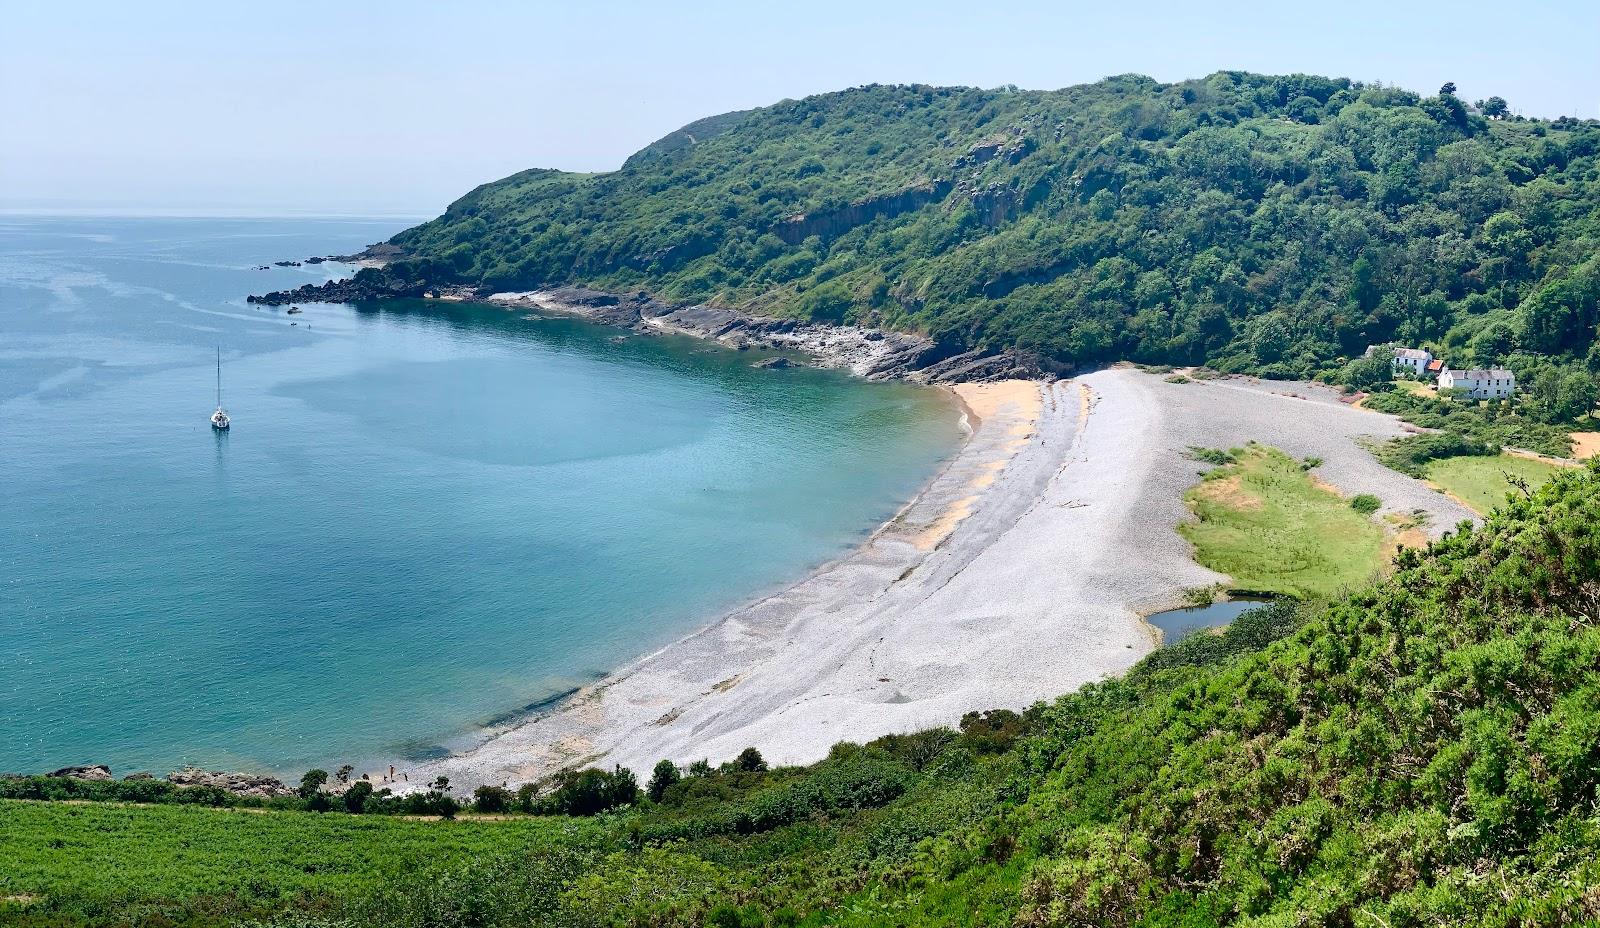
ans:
(242, 784)
(833, 223)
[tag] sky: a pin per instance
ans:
(397, 108)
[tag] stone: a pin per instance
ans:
(240, 784)
(96, 772)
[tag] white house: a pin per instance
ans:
(1492, 384)
(1414, 360)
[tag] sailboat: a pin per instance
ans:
(219, 419)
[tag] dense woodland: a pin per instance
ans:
(1422, 752)
(1272, 225)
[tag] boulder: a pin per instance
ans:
(86, 772)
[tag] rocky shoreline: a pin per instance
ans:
(240, 784)
(875, 354)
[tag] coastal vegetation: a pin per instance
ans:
(1276, 225)
(114, 863)
(1262, 519)
(1483, 483)
(1422, 751)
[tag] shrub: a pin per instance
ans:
(990, 732)
(1215, 456)
(1366, 504)
(355, 798)
(491, 799)
(590, 792)
(664, 775)
(750, 761)
(312, 783)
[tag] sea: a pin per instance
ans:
(427, 517)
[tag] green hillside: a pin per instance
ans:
(1256, 223)
(1425, 752)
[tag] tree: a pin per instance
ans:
(750, 761)
(1448, 90)
(1490, 346)
(1370, 373)
(591, 791)
(665, 775)
(311, 784)
(1562, 315)
(491, 799)
(1507, 235)
(1558, 397)
(1495, 107)
(343, 773)
(355, 798)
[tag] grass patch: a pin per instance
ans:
(77, 860)
(1267, 524)
(1482, 483)
(1216, 456)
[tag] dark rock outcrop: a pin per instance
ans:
(607, 308)
(364, 286)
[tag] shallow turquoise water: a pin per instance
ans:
(423, 518)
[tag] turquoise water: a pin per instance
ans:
(425, 516)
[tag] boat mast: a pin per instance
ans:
(219, 376)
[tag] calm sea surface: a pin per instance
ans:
(425, 516)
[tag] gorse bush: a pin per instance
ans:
(1365, 503)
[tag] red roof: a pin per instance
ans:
(1435, 366)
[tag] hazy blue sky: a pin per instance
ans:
(400, 107)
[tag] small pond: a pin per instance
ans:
(1177, 624)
